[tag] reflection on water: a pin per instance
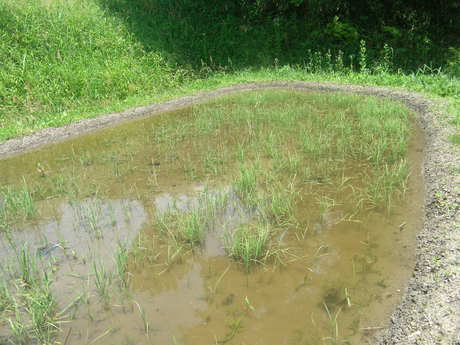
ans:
(79, 234)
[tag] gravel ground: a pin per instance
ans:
(429, 312)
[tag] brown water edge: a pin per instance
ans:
(368, 262)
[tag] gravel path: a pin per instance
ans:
(429, 312)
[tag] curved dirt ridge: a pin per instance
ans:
(429, 312)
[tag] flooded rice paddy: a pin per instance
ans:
(272, 217)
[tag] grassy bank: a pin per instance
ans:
(63, 61)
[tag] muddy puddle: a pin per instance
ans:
(331, 276)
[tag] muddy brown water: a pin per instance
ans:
(339, 281)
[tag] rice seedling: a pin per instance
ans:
(234, 326)
(381, 189)
(145, 321)
(102, 280)
(6, 299)
(16, 203)
(279, 206)
(333, 324)
(27, 267)
(325, 205)
(18, 328)
(121, 260)
(41, 310)
(214, 161)
(173, 255)
(271, 145)
(249, 243)
(246, 183)
(191, 227)
(102, 335)
(213, 289)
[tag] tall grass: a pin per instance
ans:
(47, 71)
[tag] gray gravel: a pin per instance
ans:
(429, 312)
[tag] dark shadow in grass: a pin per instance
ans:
(210, 32)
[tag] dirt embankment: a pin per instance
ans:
(429, 312)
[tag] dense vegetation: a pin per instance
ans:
(63, 60)
(257, 32)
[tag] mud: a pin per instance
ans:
(429, 309)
